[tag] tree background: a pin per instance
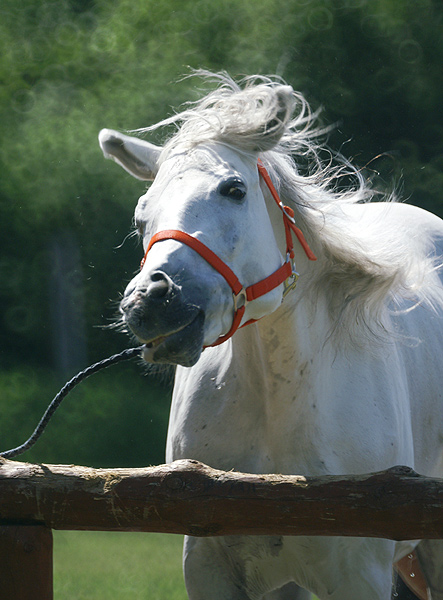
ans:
(71, 67)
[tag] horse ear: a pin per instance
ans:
(273, 129)
(136, 156)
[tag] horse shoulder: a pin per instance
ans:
(397, 215)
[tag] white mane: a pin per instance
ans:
(360, 273)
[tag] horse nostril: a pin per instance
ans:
(160, 286)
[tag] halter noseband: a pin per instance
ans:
(285, 274)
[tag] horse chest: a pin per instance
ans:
(247, 419)
(294, 421)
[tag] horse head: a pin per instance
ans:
(205, 184)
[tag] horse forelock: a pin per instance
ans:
(359, 271)
(251, 117)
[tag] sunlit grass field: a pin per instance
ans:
(91, 565)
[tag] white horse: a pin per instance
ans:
(340, 375)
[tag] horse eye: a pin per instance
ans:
(232, 188)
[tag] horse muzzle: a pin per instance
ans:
(159, 315)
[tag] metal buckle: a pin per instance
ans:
(287, 215)
(291, 282)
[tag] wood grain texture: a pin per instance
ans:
(188, 497)
(26, 562)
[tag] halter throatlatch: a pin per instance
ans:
(286, 274)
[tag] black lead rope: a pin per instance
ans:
(107, 362)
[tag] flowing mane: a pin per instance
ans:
(363, 272)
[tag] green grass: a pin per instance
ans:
(91, 565)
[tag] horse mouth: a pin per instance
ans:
(180, 347)
(152, 345)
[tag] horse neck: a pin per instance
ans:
(284, 342)
(273, 391)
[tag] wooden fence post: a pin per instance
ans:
(26, 562)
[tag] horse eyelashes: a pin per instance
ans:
(232, 188)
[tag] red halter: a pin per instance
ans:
(285, 274)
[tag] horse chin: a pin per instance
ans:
(182, 347)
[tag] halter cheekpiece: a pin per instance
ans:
(286, 274)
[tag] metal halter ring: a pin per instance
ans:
(240, 299)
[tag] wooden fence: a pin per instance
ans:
(187, 497)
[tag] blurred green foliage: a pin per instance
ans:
(71, 67)
(114, 418)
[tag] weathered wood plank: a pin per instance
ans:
(187, 497)
(26, 562)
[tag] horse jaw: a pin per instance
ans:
(182, 347)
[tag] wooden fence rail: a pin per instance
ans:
(188, 497)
